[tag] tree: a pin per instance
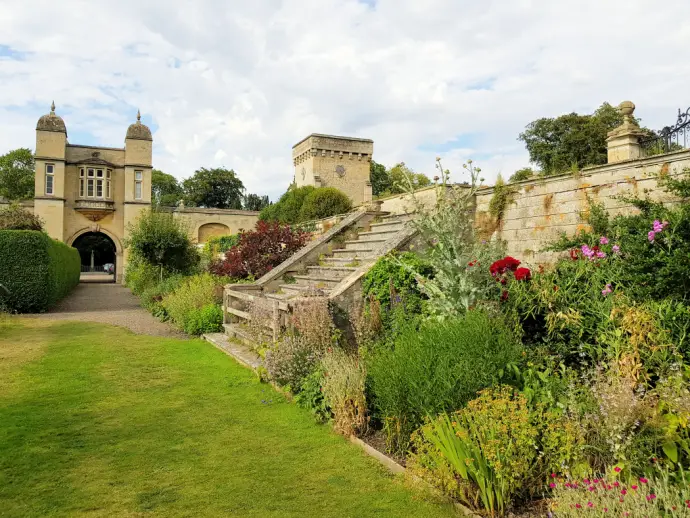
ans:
(380, 180)
(255, 202)
(521, 174)
(17, 174)
(323, 203)
(166, 191)
(217, 188)
(15, 217)
(287, 209)
(572, 140)
(160, 239)
(402, 177)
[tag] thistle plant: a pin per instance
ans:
(447, 230)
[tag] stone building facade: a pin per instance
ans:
(86, 190)
(332, 161)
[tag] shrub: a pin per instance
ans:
(343, 391)
(323, 203)
(437, 368)
(152, 296)
(311, 396)
(220, 244)
(290, 360)
(207, 319)
(140, 275)
(161, 240)
(185, 306)
(259, 251)
(15, 217)
(287, 209)
(36, 270)
(395, 276)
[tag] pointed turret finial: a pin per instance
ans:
(138, 117)
(52, 108)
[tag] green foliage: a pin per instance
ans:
(188, 306)
(160, 239)
(287, 208)
(402, 178)
(216, 245)
(438, 367)
(380, 179)
(323, 203)
(14, 217)
(460, 263)
(522, 174)
(17, 173)
(166, 191)
(36, 270)
(393, 277)
(141, 275)
(502, 197)
(152, 296)
(217, 188)
(311, 396)
(255, 202)
(557, 144)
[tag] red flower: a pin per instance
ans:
(504, 265)
(504, 295)
(574, 254)
(523, 274)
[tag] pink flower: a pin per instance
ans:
(624, 492)
(587, 251)
(607, 290)
(643, 480)
(616, 250)
(552, 485)
(616, 484)
(650, 235)
(553, 475)
(633, 487)
(578, 506)
(651, 497)
(603, 240)
(585, 481)
(590, 504)
(600, 254)
(659, 226)
(616, 469)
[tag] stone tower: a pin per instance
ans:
(332, 161)
(50, 195)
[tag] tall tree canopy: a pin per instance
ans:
(17, 174)
(255, 202)
(380, 180)
(400, 175)
(217, 188)
(166, 191)
(572, 140)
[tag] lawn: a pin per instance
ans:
(97, 421)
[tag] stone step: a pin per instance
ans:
(331, 272)
(387, 226)
(337, 262)
(316, 281)
(295, 290)
(367, 246)
(376, 235)
(277, 296)
(405, 216)
(352, 254)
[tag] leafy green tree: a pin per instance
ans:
(255, 202)
(287, 209)
(160, 239)
(402, 177)
(522, 174)
(17, 174)
(570, 141)
(323, 203)
(217, 188)
(15, 217)
(380, 179)
(166, 191)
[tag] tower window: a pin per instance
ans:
(50, 178)
(95, 183)
(138, 179)
(81, 182)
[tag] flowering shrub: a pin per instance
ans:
(291, 360)
(343, 391)
(258, 251)
(609, 496)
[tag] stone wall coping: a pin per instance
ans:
(421, 189)
(337, 137)
(204, 210)
(674, 156)
(96, 147)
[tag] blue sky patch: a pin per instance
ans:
(8, 52)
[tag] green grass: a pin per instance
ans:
(97, 421)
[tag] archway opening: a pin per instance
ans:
(98, 254)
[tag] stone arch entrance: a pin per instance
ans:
(209, 230)
(99, 256)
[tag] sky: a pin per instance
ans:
(236, 83)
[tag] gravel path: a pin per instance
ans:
(109, 304)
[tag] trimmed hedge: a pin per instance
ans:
(37, 271)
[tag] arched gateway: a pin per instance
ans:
(99, 256)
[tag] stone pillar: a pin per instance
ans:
(623, 142)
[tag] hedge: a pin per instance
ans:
(36, 270)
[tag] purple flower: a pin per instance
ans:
(600, 254)
(587, 251)
(603, 240)
(650, 235)
(607, 289)
(616, 249)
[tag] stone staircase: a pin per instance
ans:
(331, 266)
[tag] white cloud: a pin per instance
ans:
(237, 83)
